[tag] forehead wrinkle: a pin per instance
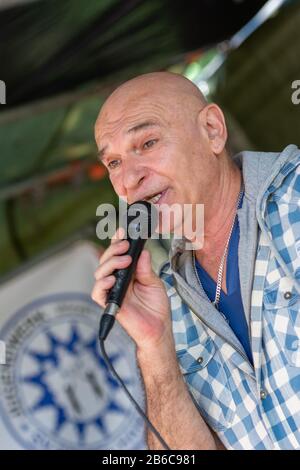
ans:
(144, 125)
(154, 114)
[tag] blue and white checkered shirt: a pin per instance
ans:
(251, 407)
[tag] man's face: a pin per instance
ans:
(153, 151)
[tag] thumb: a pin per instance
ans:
(144, 272)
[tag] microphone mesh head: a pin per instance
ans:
(142, 220)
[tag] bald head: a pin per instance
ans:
(171, 91)
(158, 83)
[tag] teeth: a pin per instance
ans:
(155, 199)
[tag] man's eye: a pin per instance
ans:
(149, 143)
(113, 164)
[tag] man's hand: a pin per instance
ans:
(145, 311)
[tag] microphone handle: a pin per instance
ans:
(123, 276)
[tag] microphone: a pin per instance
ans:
(137, 230)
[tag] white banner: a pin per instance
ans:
(55, 390)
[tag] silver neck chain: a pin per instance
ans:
(222, 263)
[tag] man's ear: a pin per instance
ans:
(212, 121)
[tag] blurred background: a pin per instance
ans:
(60, 59)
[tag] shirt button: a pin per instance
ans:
(200, 360)
(263, 394)
(287, 295)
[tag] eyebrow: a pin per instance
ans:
(101, 153)
(136, 128)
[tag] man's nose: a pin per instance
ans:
(133, 176)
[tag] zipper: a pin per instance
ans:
(249, 325)
(206, 324)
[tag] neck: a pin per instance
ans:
(220, 212)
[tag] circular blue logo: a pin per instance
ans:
(56, 391)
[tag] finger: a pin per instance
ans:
(119, 235)
(115, 262)
(99, 293)
(144, 272)
(116, 249)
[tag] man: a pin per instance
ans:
(217, 333)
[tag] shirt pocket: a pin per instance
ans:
(208, 384)
(281, 311)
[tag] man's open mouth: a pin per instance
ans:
(155, 198)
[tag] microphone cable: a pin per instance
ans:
(135, 404)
